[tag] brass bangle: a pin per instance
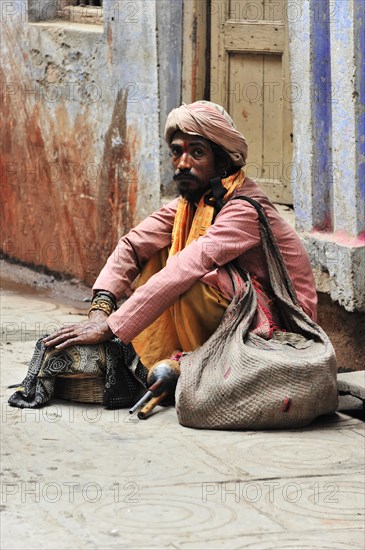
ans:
(101, 307)
(102, 302)
(103, 295)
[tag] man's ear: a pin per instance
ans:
(226, 168)
(223, 167)
(222, 160)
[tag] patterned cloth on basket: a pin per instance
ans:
(109, 360)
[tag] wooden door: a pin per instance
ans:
(250, 78)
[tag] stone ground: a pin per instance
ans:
(77, 476)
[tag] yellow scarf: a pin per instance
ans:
(188, 225)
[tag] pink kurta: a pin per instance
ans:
(234, 234)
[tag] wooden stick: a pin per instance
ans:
(147, 409)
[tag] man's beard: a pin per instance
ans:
(189, 195)
(192, 195)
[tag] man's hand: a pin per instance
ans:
(93, 331)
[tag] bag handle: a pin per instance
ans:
(273, 255)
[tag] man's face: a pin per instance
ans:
(193, 161)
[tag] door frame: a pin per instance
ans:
(195, 50)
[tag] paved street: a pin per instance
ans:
(80, 477)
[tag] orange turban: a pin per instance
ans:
(212, 122)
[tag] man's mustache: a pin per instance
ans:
(183, 174)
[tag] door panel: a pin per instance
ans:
(250, 78)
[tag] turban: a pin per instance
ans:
(212, 122)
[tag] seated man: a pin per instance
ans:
(180, 251)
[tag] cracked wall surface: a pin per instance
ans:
(80, 162)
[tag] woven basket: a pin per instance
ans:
(83, 388)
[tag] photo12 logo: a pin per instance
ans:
(68, 491)
(270, 491)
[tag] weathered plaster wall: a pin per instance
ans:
(327, 59)
(80, 161)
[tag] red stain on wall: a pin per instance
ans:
(61, 208)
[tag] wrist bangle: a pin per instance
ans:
(101, 307)
(102, 302)
(107, 296)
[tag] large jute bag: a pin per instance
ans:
(239, 380)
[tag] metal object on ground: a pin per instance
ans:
(161, 379)
(141, 402)
(146, 396)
